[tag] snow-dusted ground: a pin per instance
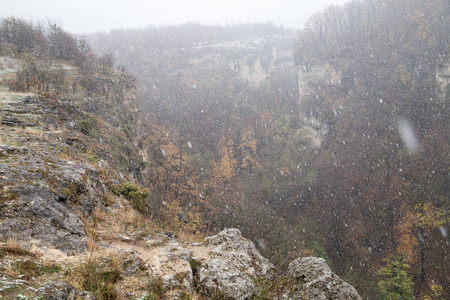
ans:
(9, 65)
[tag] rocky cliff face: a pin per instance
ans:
(310, 83)
(44, 191)
(249, 57)
(232, 267)
(253, 58)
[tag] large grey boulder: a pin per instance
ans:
(233, 267)
(313, 279)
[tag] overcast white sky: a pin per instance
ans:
(86, 16)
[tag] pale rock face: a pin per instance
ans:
(43, 220)
(314, 280)
(221, 278)
(443, 80)
(310, 83)
(318, 76)
(171, 264)
(230, 244)
(233, 265)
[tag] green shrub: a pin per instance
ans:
(51, 268)
(183, 295)
(318, 249)
(395, 282)
(88, 126)
(99, 277)
(93, 158)
(155, 289)
(135, 194)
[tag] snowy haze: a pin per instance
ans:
(87, 16)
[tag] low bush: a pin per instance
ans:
(155, 289)
(39, 77)
(135, 194)
(88, 126)
(98, 276)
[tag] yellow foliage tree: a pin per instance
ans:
(406, 240)
(248, 148)
(224, 169)
(428, 216)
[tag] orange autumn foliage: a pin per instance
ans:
(406, 240)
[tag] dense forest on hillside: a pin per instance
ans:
(372, 199)
(383, 169)
(332, 141)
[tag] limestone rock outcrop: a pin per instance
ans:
(171, 265)
(313, 279)
(233, 266)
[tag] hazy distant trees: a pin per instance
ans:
(22, 35)
(62, 45)
(42, 45)
(45, 41)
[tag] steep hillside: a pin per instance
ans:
(51, 149)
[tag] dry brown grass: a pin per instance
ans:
(102, 172)
(12, 244)
(137, 220)
(91, 245)
(13, 247)
(9, 140)
(185, 236)
(100, 274)
(89, 227)
(98, 215)
(5, 78)
(111, 225)
(124, 221)
(30, 131)
(131, 217)
(109, 199)
(90, 230)
(34, 249)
